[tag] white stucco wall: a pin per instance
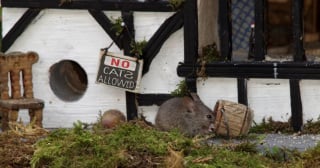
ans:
(75, 35)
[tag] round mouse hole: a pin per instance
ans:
(68, 80)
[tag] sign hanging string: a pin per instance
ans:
(124, 26)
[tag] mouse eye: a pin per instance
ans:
(209, 116)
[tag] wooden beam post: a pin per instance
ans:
(128, 36)
(191, 39)
(298, 55)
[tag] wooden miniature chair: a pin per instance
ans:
(16, 88)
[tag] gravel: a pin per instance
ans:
(269, 141)
(298, 142)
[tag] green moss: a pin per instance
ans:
(128, 143)
(282, 154)
(176, 4)
(136, 144)
(311, 127)
(210, 53)
(246, 146)
(137, 47)
(271, 126)
(181, 90)
(117, 25)
(212, 156)
(310, 158)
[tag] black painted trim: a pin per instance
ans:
(297, 25)
(242, 91)
(152, 99)
(128, 36)
(276, 70)
(18, 28)
(298, 55)
(296, 105)
(128, 32)
(106, 24)
(191, 40)
(260, 44)
(171, 25)
(225, 29)
(132, 5)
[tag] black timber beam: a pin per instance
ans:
(133, 5)
(152, 99)
(298, 56)
(18, 28)
(242, 91)
(275, 70)
(171, 25)
(260, 32)
(128, 36)
(225, 28)
(296, 105)
(190, 39)
(297, 25)
(106, 25)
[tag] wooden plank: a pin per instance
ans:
(18, 28)
(134, 5)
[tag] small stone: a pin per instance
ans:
(112, 118)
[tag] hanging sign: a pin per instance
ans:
(120, 71)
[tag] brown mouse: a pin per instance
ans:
(187, 114)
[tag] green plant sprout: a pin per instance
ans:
(181, 90)
(176, 4)
(137, 47)
(210, 54)
(117, 25)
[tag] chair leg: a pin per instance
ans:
(36, 116)
(5, 120)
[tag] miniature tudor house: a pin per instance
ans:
(68, 36)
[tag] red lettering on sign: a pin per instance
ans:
(115, 62)
(125, 64)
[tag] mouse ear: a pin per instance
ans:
(189, 103)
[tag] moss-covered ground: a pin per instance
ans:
(138, 144)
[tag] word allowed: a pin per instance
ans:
(120, 71)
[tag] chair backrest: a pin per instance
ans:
(16, 74)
